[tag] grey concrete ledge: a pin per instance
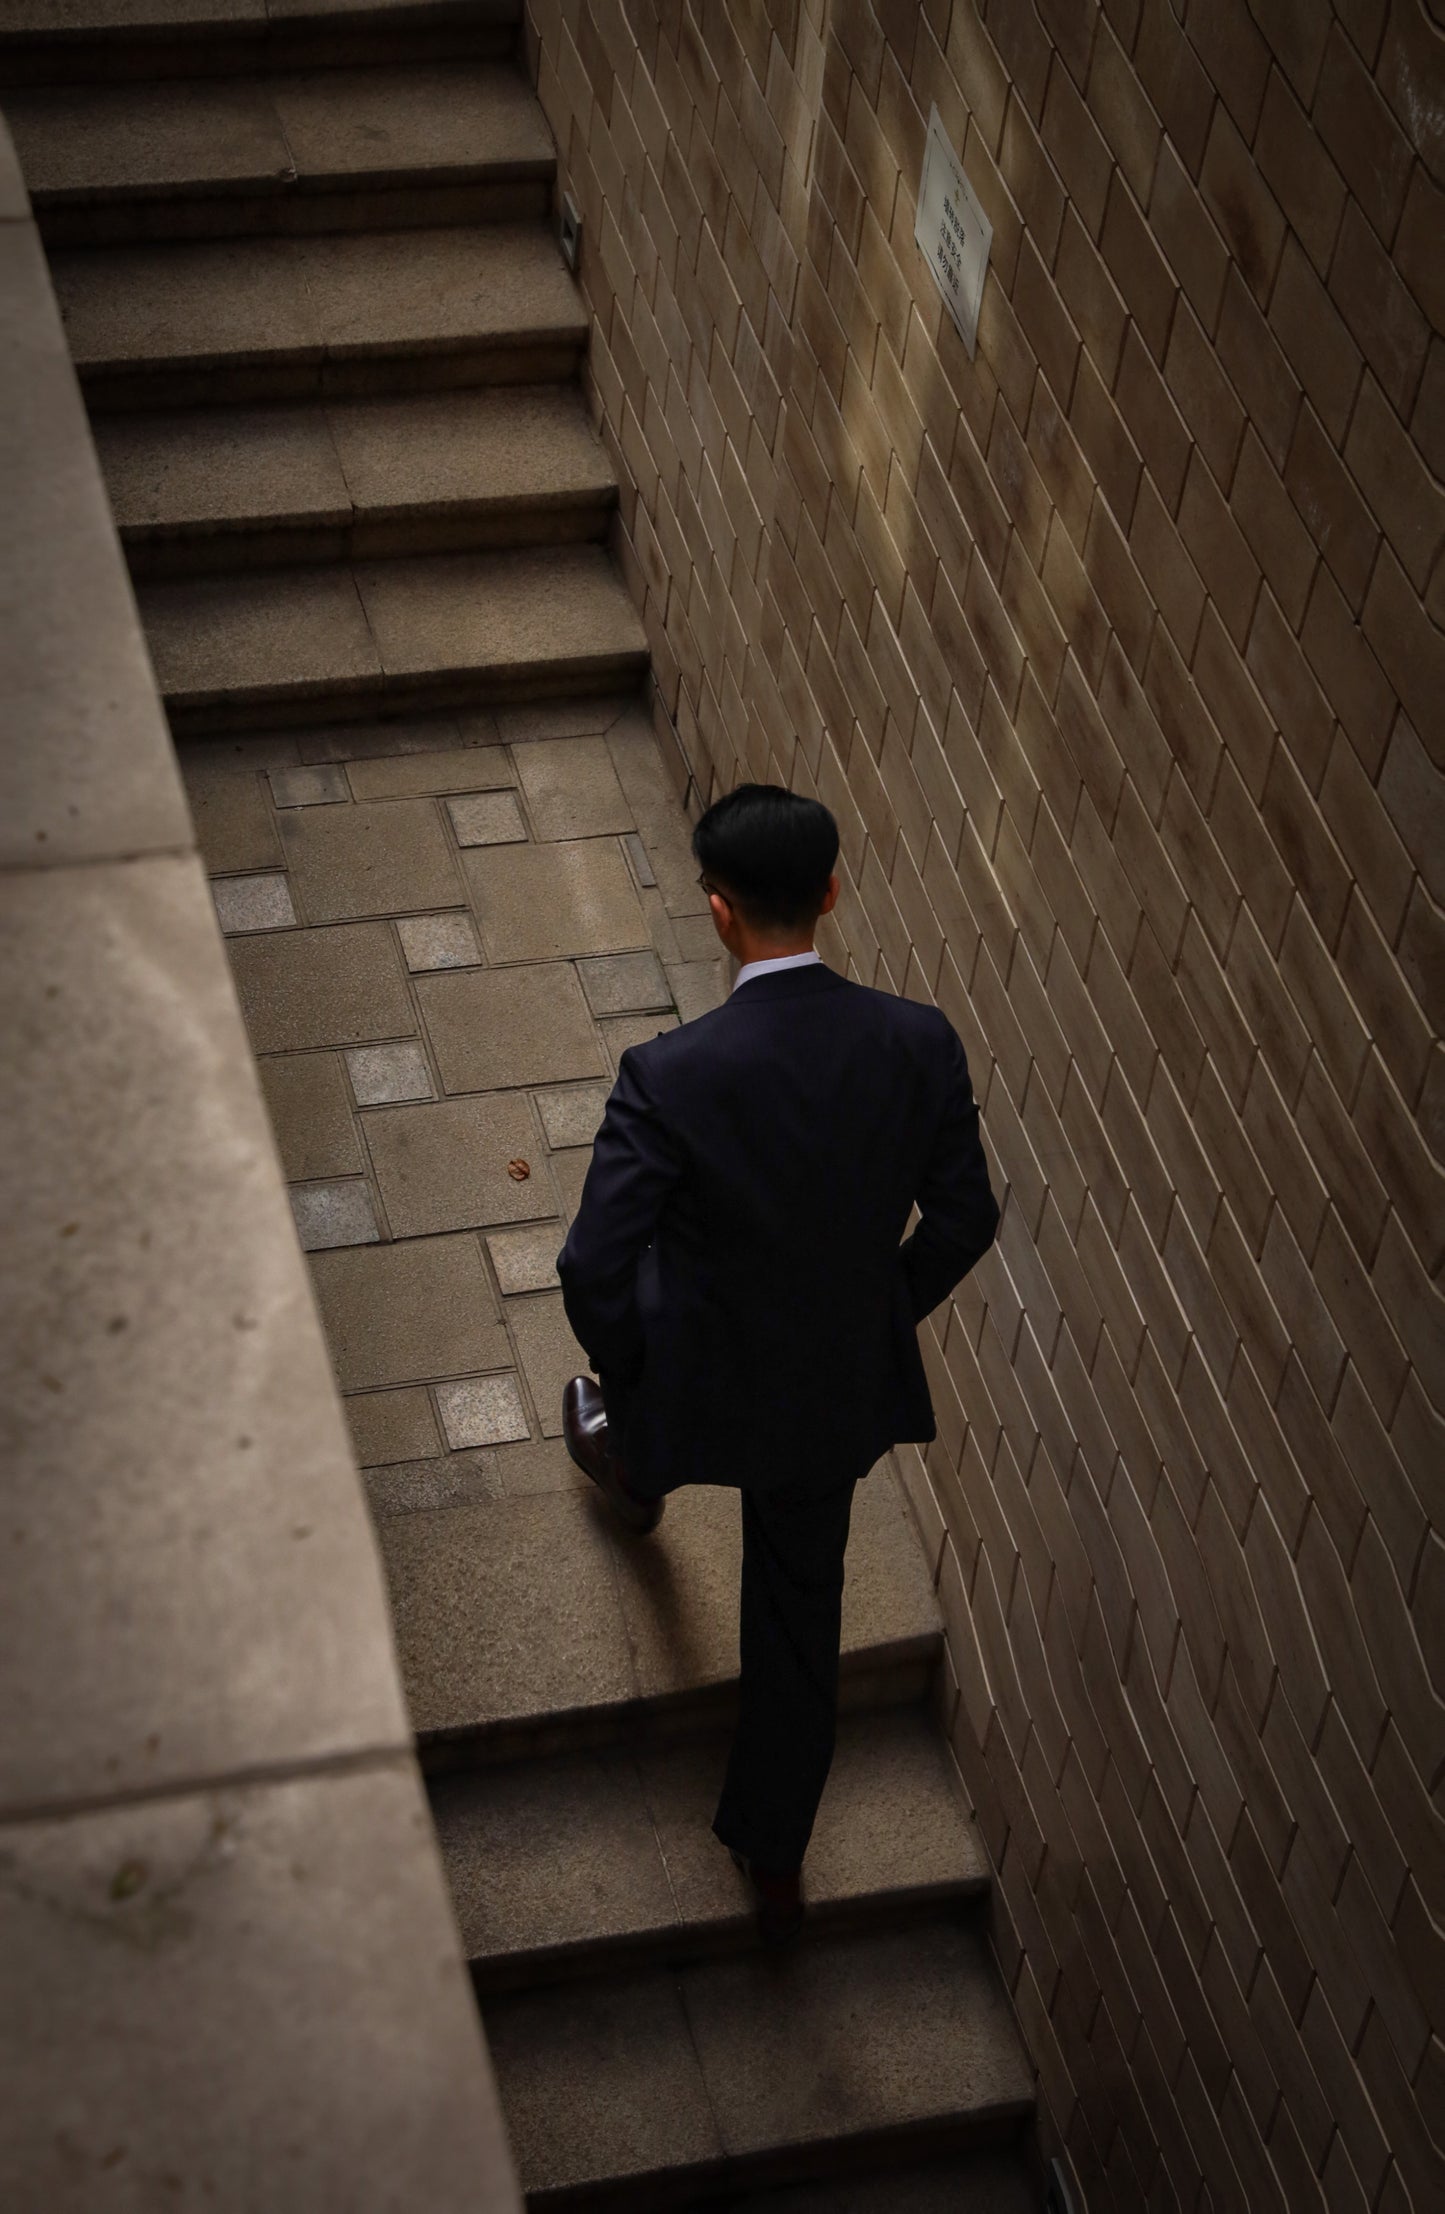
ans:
(233, 1974)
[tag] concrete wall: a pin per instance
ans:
(1118, 652)
(229, 1973)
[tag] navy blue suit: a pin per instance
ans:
(738, 1276)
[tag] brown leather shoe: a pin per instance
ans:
(584, 1426)
(779, 1901)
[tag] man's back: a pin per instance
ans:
(787, 1137)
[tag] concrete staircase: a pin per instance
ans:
(331, 354)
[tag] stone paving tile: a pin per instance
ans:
(447, 1166)
(629, 1030)
(253, 903)
(370, 290)
(487, 819)
(535, 903)
(892, 1817)
(234, 298)
(495, 1027)
(379, 857)
(454, 769)
(439, 941)
(540, 1465)
(654, 801)
(370, 122)
(235, 828)
(482, 1410)
(565, 718)
(333, 1214)
(336, 986)
(90, 139)
(380, 738)
(679, 1592)
(838, 2038)
(310, 1115)
(504, 1611)
(550, 1355)
(392, 1426)
(321, 785)
(609, 2088)
(569, 1174)
(551, 1852)
(408, 1313)
(571, 788)
(382, 1075)
(277, 633)
(571, 1113)
(526, 1260)
(625, 983)
(444, 1480)
(697, 986)
(636, 853)
(216, 468)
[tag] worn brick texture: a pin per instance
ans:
(1118, 653)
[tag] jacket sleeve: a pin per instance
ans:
(958, 1212)
(636, 1164)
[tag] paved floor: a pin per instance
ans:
(444, 933)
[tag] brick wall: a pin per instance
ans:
(1118, 653)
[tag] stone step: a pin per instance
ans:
(274, 647)
(980, 2183)
(243, 320)
(536, 1625)
(219, 489)
(568, 1866)
(323, 150)
(655, 2089)
(54, 42)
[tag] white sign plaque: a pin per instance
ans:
(953, 233)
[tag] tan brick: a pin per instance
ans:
(1138, 267)
(1154, 422)
(997, 201)
(1242, 205)
(1320, 349)
(1360, 132)
(1205, 397)
(1090, 295)
(1174, 79)
(1219, 550)
(1299, 172)
(1271, 524)
(1400, 491)
(1120, 587)
(1121, 110)
(1021, 489)
(1329, 501)
(1254, 859)
(1075, 603)
(1045, 320)
(1257, 369)
(1173, 579)
(1002, 343)
(1104, 438)
(1414, 794)
(1379, 308)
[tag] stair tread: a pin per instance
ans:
(26, 22)
(336, 628)
(331, 297)
(978, 2183)
(535, 1609)
(609, 1848)
(735, 2063)
(190, 470)
(303, 131)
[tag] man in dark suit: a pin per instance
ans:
(736, 1276)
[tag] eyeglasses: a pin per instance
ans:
(710, 888)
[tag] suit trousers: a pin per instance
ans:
(789, 1631)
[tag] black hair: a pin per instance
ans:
(771, 851)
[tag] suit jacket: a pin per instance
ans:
(735, 1271)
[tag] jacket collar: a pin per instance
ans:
(786, 984)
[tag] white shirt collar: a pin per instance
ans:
(750, 969)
